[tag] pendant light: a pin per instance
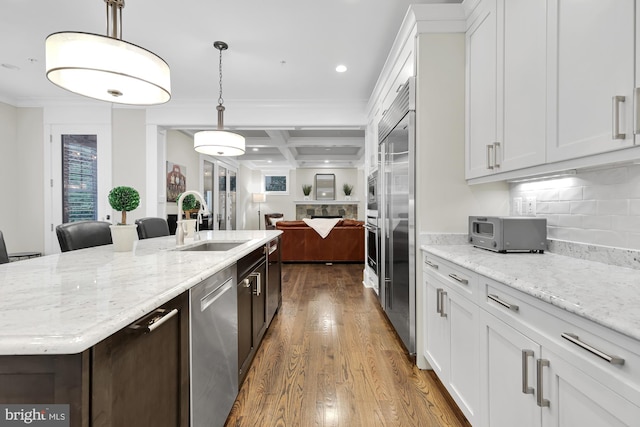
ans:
(219, 142)
(106, 67)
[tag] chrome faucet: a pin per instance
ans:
(204, 210)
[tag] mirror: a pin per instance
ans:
(325, 186)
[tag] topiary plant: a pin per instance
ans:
(347, 189)
(306, 189)
(188, 203)
(124, 199)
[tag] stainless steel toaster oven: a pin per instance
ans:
(508, 234)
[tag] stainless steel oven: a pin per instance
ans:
(372, 191)
(373, 244)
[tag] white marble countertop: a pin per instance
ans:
(66, 303)
(606, 294)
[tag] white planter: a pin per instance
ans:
(189, 227)
(347, 197)
(124, 237)
(307, 198)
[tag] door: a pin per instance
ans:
(225, 211)
(437, 329)
(79, 177)
(591, 61)
(140, 375)
(507, 360)
(576, 399)
(521, 76)
(481, 40)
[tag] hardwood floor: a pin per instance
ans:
(331, 359)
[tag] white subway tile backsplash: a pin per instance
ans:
(574, 221)
(551, 195)
(628, 223)
(560, 207)
(613, 207)
(604, 192)
(572, 193)
(599, 207)
(597, 222)
(588, 207)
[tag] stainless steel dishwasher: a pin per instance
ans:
(214, 348)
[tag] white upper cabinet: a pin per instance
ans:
(481, 107)
(591, 73)
(506, 87)
(522, 61)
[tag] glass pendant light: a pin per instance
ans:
(219, 142)
(106, 67)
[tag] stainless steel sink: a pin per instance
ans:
(214, 246)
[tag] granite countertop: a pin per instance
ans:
(66, 303)
(606, 294)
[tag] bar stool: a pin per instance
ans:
(152, 227)
(83, 234)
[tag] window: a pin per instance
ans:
(79, 178)
(276, 183)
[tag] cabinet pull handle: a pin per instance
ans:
(155, 321)
(505, 304)
(489, 155)
(431, 264)
(540, 400)
(258, 289)
(458, 279)
(246, 283)
(526, 354)
(614, 360)
(496, 163)
(616, 100)
(438, 301)
(443, 294)
(636, 105)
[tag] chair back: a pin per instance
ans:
(152, 227)
(83, 234)
(4, 256)
(268, 224)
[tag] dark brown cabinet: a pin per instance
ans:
(274, 279)
(140, 375)
(252, 307)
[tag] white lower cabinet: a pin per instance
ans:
(508, 375)
(509, 359)
(576, 399)
(452, 337)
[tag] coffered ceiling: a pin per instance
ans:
(283, 51)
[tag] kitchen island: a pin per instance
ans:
(56, 311)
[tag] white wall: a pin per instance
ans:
(180, 151)
(21, 172)
(600, 207)
(128, 156)
(10, 174)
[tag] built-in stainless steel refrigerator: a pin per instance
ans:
(397, 287)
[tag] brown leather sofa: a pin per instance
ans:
(301, 243)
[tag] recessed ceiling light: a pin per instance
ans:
(341, 68)
(11, 66)
(326, 161)
(255, 148)
(268, 161)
